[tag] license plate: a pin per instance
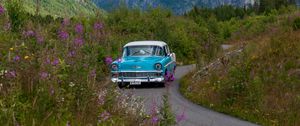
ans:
(136, 83)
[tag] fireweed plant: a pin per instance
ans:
(56, 74)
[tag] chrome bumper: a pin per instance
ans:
(143, 80)
(138, 76)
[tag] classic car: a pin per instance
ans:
(144, 62)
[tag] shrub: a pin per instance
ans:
(296, 23)
(168, 118)
(16, 14)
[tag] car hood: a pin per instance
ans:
(139, 63)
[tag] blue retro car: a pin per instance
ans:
(144, 62)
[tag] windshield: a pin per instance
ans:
(143, 51)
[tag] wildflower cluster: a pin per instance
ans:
(154, 113)
(78, 42)
(131, 104)
(114, 100)
(181, 117)
(2, 10)
(101, 97)
(11, 74)
(44, 75)
(54, 68)
(108, 60)
(28, 33)
(40, 39)
(104, 116)
(66, 22)
(63, 35)
(169, 76)
(98, 26)
(79, 28)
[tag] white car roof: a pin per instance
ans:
(150, 43)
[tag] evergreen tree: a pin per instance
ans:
(268, 5)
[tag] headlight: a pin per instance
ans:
(158, 66)
(114, 67)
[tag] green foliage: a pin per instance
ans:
(296, 23)
(16, 14)
(193, 39)
(222, 13)
(156, 24)
(255, 85)
(224, 23)
(287, 9)
(267, 6)
(168, 118)
(62, 8)
(236, 84)
(50, 78)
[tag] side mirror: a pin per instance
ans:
(173, 56)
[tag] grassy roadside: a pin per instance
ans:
(54, 72)
(185, 90)
(261, 85)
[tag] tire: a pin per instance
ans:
(174, 70)
(160, 84)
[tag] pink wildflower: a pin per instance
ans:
(11, 74)
(78, 42)
(108, 60)
(17, 58)
(98, 26)
(2, 10)
(63, 35)
(28, 33)
(181, 117)
(66, 22)
(55, 62)
(79, 28)
(44, 75)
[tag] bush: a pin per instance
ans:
(16, 14)
(167, 117)
(296, 23)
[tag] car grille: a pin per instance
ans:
(139, 74)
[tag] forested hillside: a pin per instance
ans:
(183, 6)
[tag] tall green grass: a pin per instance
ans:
(62, 8)
(260, 85)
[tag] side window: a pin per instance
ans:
(166, 48)
(124, 50)
(160, 52)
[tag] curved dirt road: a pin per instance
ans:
(195, 115)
